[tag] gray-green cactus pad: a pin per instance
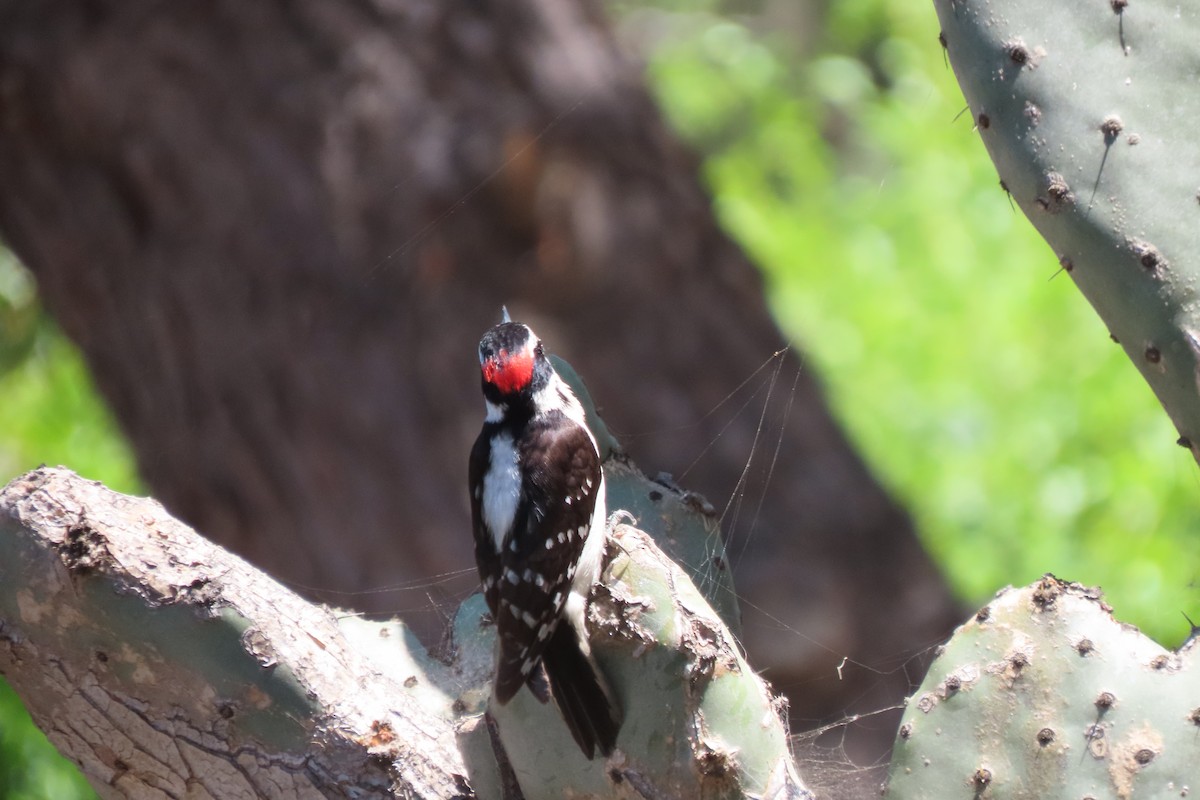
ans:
(682, 523)
(1090, 110)
(698, 721)
(1044, 695)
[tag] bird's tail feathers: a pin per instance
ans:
(582, 695)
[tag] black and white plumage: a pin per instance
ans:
(538, 512)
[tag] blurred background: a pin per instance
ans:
(969, 372)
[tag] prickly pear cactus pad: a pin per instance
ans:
(1044, 695)
(698, 722)
(1090, 110)
(682, 523)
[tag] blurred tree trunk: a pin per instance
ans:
(277, 229)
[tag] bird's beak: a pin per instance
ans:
(504, 317)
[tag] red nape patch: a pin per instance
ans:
(509, 375)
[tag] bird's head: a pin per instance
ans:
(512, 361)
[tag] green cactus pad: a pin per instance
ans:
(1090, 111)
(698, 721)
(1042, 694)
(682, 523)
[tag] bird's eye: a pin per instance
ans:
(538, 349)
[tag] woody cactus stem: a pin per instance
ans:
(1089, 111)
(165, 652)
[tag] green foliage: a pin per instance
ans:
(53, 416)
(972, 373)
(30, 767)
(19, 312)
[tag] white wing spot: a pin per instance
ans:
(544, 631)
(539, 580)
(528, 665)
(568, 499)
(512, 577)
(571, 571)
(562, 537)
(589, 483)
(549, 542)
(558, 599)
(528, 619)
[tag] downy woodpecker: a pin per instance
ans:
(538, 512)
